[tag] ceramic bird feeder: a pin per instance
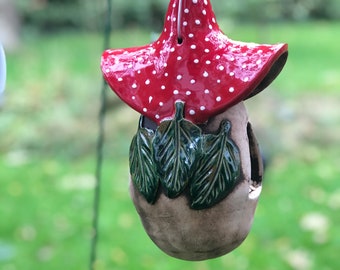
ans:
(195, 166)
(2, 70)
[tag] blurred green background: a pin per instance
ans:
(49, 127)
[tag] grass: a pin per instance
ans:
(48, 133)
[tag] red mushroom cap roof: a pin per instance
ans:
(205, 69)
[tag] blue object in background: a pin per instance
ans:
(2, 70)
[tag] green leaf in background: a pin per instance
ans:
(142, 166)
(217, 171)
(176, 145)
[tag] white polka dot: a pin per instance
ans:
(204, 12)
(195, 1)
(193, 47)
(213, 20)
(176, 92)
(210, 27)
(174, 19)
(232, 74)
(147, 82)
(134, 86)
(150, 99)
(232, 59)
(165, 64)
(218, 57)
(202, 108)
(191, 35)
(133, 97)
(197, 22)
(145, 110)
(205, 2)
(188, 93)
(157, 116)
(161, 104)
(154, 72)
(163, 87)
(179, 58)
(192, 81)
(231, 89)
(218, 99)
(192, 112)
(107, 70)
(246, 79)
(221, 68)
(260, 51)
(244, 66)
(172, 49)
(120, 79)
(171, 34)
(166, 74)
(179, 77)
(207, 51)
(207, 39)
(186, 11)
(218, 81)
(205, 74)
(196, 61)
(139, 71)
(259, 62)
(206, 91)
(185, 23)
(208, 62)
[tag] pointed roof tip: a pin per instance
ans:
(272, 68)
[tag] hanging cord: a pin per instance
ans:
(100, 144)
(179, 22)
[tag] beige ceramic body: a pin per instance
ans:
(196, 235)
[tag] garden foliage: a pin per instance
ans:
(88, 14)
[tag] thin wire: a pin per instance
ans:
(100, 146)
(179, 21)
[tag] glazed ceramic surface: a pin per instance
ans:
(184, 232)
(195, 167)
(202, 67)
(178, 155)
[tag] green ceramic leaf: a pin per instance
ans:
(217, 171)
(142, 166)
(176, 144)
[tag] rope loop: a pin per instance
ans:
(100, 146)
